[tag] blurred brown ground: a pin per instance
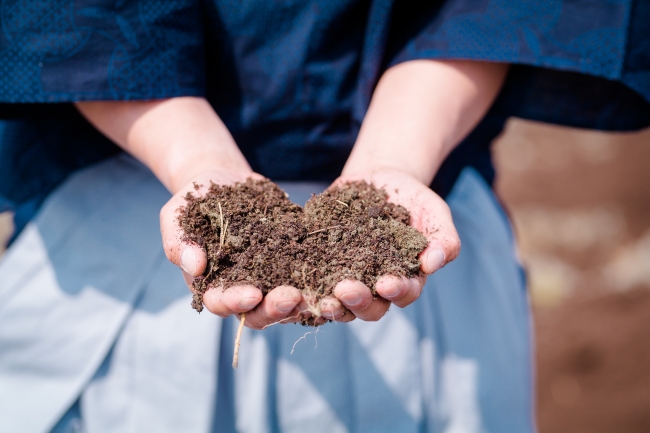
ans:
(580, 203)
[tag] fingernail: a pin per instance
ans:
(248, 303)
(391, 292)
(351, 299)
(435, 260)
(286, 306)
(331, 315)
(188, 261)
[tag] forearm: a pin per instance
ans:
(420, 111)
(176, 138)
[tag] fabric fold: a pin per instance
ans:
(61, 311)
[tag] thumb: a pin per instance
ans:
(190, 258)
(434, 220)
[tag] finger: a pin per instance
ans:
(401, 291)
(357, 297)
(236, 299)
(302, 311)
(434, 257)
(332, 309)
(308, 307)
(434, 220)
(429, 214)
(280, 303)
(354, 295)
(191, 258)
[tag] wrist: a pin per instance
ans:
(218, 175)
(420, 110)
(386, 157)
(185, 165)
(182, 138)
(378, 172)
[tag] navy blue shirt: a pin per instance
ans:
(292, 79)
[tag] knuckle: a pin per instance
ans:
(254, 322)
(374, 317)
(216, 307)
(454, 247)
(216, 311)
(365, 303)
(275, 314)
(168, 207)
(170, 247)
(163, 212)
(348, 316)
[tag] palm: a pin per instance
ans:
(431, 216)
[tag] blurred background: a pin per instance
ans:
(580, 204)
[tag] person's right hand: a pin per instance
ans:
(281, 304)
(183, 141)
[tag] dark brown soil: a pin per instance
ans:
(254, 235)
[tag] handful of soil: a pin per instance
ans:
(253, 234)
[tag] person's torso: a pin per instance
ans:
(282, 75)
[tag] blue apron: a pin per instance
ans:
(97, 333)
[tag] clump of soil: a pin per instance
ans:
(253, 234)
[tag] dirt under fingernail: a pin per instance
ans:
(254, 235)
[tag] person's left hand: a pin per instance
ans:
(431, 216)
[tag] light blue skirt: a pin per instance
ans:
(97, 333)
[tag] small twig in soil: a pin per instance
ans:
(343, 203)
(235, 356)
(224, 232)
(322, 230)
(220, 224)
(209, 273)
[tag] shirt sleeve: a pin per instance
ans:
(580, 36)
(582, 63)
(73, 50)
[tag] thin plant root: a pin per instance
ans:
(304, 337)
(235, 356)
(313, 307)
(284, 320)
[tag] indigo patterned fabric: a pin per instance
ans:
(69, 50)
(583, 63)
(292, 79)
(577, 35)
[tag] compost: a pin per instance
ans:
(253, 234)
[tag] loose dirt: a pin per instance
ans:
(253, 234)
